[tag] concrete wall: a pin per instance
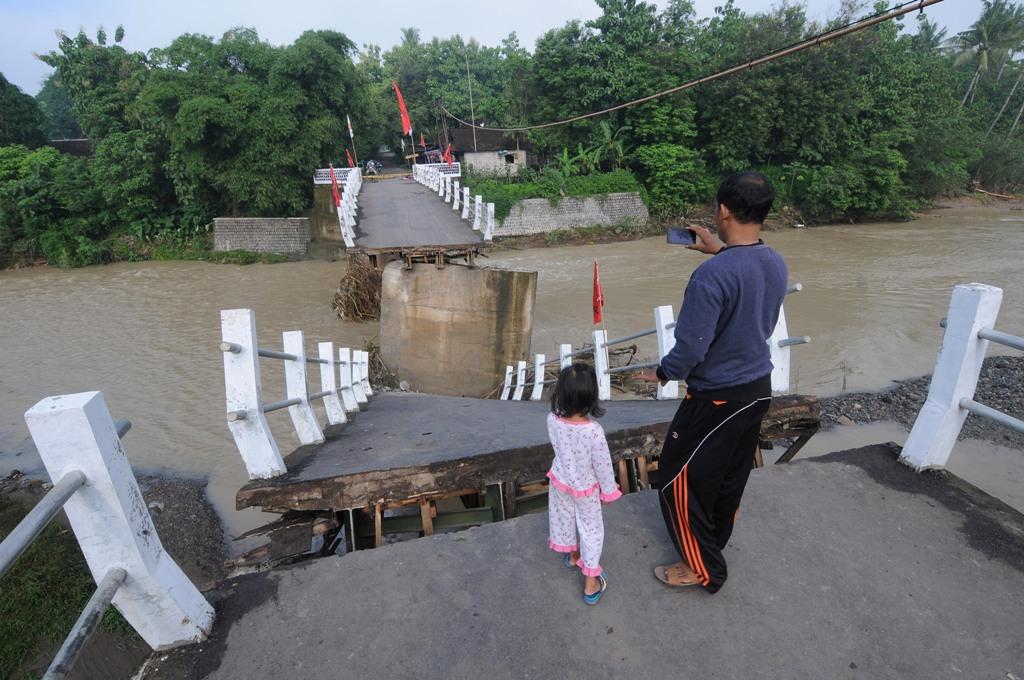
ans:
(284, 235)
(495, 162)
(452, 331)
(538, 215)
(324, 217)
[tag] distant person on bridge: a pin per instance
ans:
(729, 310)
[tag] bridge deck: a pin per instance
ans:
(413, 446)
(847, 566)
(401, 213)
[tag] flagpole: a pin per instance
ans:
(352, 139)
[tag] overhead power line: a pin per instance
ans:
(827, 36)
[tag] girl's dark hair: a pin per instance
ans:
(576, 392)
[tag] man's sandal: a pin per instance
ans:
(661, 573)
(593, 598)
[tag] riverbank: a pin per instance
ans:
(48, 586)
(999, 387)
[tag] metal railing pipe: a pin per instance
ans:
(992, 414)
(274, 354)
(278, 405)
(633, 367)
(319, 395)
(1005, 339)
(121, 426)
(232, 347)
(794, 288)
(580, 352)
(799, 340)
(632, 336)
(38, 517)
(316, 360)
(86, 624)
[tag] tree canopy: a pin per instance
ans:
(865, 127)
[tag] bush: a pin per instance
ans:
(675, 176)
(549, 184)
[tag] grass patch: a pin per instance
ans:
(44, 592)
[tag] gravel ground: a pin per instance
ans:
(1001, 386)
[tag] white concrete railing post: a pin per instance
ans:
(538, 378)
(465, 203)
(564, 356)
(972, 307)
(520, 380)
(781, 359)
(477, 209)
(456, 193)
(329, 383)
(447, 189)
(345, 387)
(489, 231)
(111, 522)
(296, 387)
(664, 319)
(364, 372)
(440, 183)
(355, 375)
(601, 363)
(242, 388)
(507, 388)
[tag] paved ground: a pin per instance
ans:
(403, 213)
(847, 566)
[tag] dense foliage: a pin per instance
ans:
(868, 126)
(550, 184)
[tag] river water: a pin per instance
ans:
(146, 334)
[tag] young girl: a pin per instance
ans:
(581, 476)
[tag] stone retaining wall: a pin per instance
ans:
(538, 215)
(283, 235)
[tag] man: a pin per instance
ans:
(729, 310)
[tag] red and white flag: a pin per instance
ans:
(351, 163)
(348, 121)
(406, 121)
(448, 155)
(598, 295)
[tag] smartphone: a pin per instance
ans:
(682, 237)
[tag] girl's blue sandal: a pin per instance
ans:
(568, 562)
(593, 599)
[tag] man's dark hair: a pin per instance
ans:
(576, 392)
(748, 195)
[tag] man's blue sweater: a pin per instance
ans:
(729, 310)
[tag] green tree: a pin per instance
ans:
(21, 121)
(56, 106)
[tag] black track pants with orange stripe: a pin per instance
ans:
(703, 469)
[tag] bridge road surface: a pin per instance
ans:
(845, 566)
(401, 212)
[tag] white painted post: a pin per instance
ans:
(506, 390)
(489, 231)
(477, 209)
(456, 192)
(303, 418)
(520, 380)
(343, 227)
(440, 183)
(356, 377)
(110, 519)
(973, 306)
(538, 378)
(447, 189)
(564, 356)
(663, 318)
(604, 380)
(242, 388)
(329, 383)
(348, 394)
(781, 356)
(364, 372)
(465, 203)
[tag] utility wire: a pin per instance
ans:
(852, 27)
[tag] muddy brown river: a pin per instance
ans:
(146, 334)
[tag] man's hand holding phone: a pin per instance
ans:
(650, 375)
(706, 241)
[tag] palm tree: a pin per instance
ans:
(1013, 90)
(929, 36)
(410, 36)
(998, 30)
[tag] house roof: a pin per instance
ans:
(75, 147)
(486, 140)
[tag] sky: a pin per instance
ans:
(27, 26)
